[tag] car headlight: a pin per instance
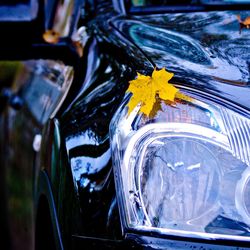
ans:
(184, 172)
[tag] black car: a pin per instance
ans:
(93, 156)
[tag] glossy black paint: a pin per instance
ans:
(85, 124)
(204, 49)
(73, 169)
(85, 129)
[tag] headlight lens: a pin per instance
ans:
(184, 172)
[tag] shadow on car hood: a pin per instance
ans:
(206, 50)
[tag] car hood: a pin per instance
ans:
(205, 50)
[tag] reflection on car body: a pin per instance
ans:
(80, 171)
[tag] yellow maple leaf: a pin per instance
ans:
(145, 90)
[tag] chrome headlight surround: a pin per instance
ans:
(186, 172)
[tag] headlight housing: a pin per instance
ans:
(184, 172)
